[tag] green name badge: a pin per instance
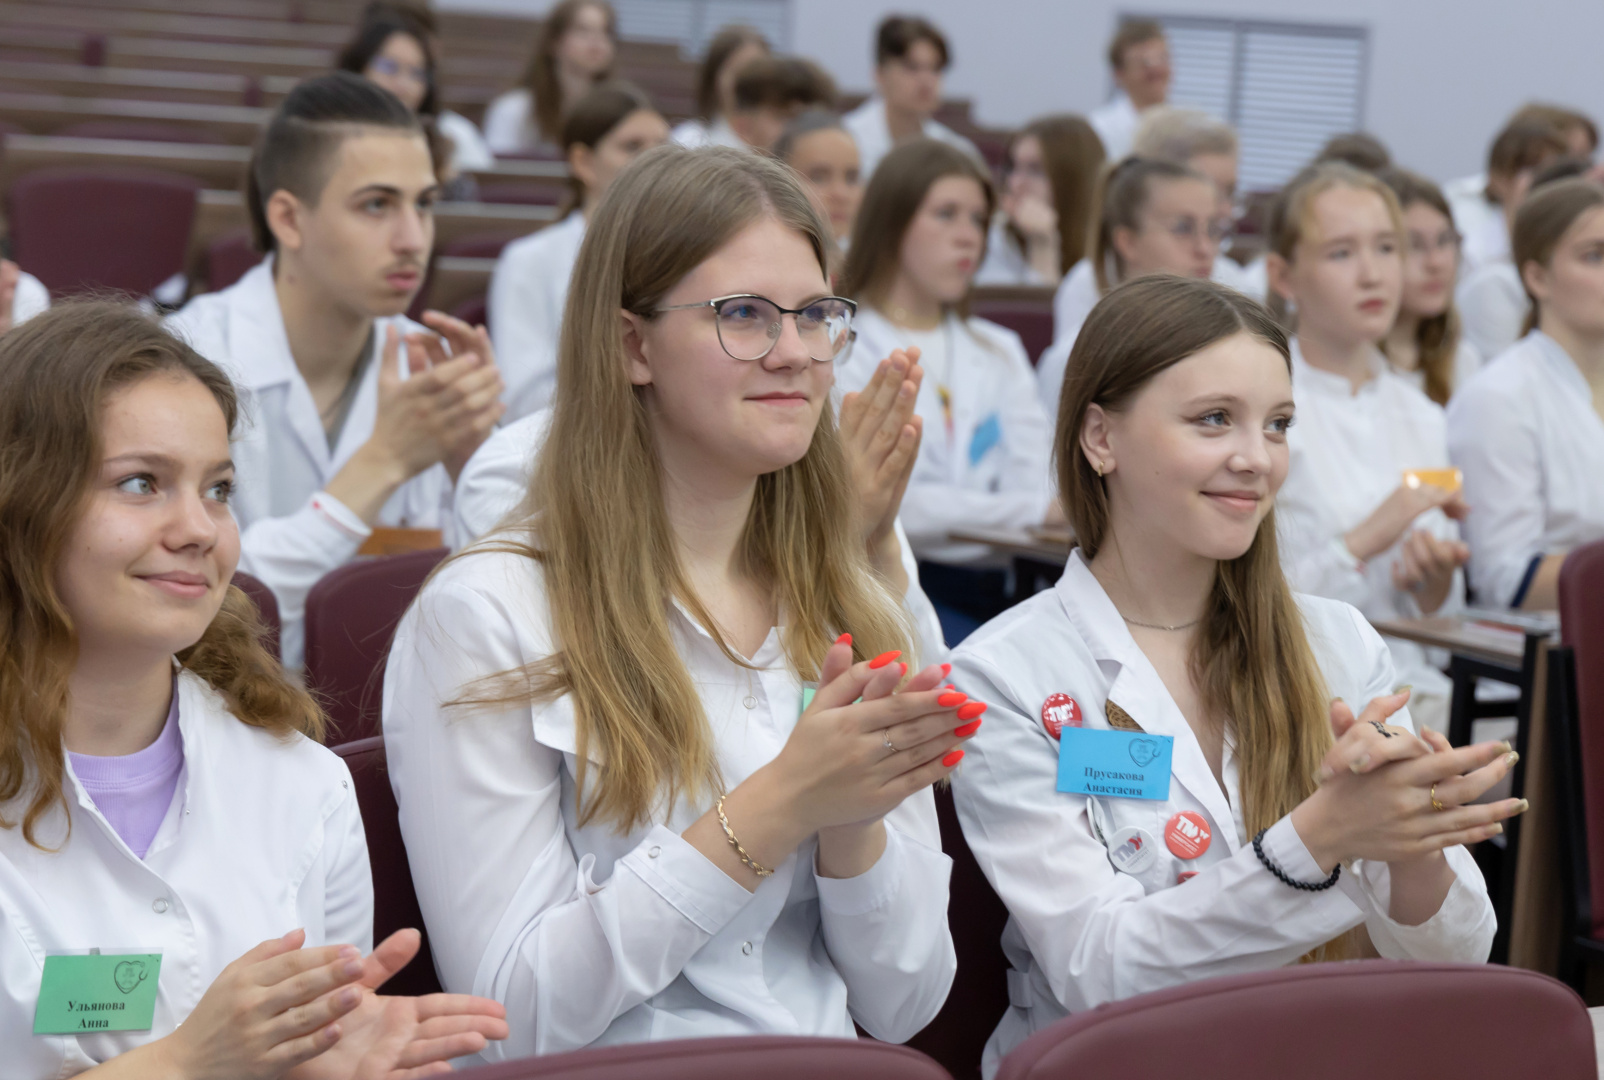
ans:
(81, 994)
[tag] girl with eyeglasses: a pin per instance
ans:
(1046, 202)
(919, 237)
(1150, 217)
(1426, 344)
(661, 743)
(1370, 508)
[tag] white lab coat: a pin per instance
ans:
(469, 151)
(717, 132)
(589, 937)
(1467, 361)
(1115, 122)
(1480, 222)
(1348, 454)
(1005, 262)
(1531, 447)
(1492, 306)
(989, 466)
(30, 299)
(1080, 932)
(282, 458)
(528, 291)
(263, 836)
(497, 476)
(867, 126)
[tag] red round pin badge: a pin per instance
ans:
(1184, 876)
(1058, 712)
(1187, 835)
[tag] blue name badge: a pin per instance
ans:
(1114, 764)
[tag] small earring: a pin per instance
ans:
(1099, 468)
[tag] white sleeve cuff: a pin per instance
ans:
(1346, 558)
(1461, 930)
(687, 879)
(869, 891)
(340, 516)
(1284, 847)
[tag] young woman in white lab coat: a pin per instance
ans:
(608, 128)
(731, 49)
(360, 417)
(1149, 217)
(161, 789)
(692, 558)
(1526, 431)
(1046, 203)
(1426, 344)
(575, 48)
(1172, 618)
(983, 457)
(1353, 526)
(22, 296)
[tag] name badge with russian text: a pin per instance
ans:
(84, 993)
(1114, 764)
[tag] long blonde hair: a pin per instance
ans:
(1251, 660)
(594, 516)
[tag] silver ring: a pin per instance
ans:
(885, 737)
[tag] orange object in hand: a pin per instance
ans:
(1447, 479)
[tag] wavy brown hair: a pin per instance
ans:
(593, 517)
(1436, 338)
(540, 75)
(1251, 660)
(57, 373)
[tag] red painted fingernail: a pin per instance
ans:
(968, 729)
(971, 710)
(885, 658)
(844, 639)
(949, 686)
(904, 668)
(953, 758)
(947, 701)
(946, 669)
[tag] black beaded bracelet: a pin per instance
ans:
(1321, 886)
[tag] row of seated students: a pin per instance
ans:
(663, 732)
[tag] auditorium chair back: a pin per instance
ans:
(395, 904)
(1576, 703)
(1382, 1019)
(751, 1057)
(351, 616)
(266, 607)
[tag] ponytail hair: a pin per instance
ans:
(1542, 221)
(1121, 196)
(295, 152)
(592, 119)
(56, 374)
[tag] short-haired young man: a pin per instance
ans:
(910, 59)
(354, 415)
(769, 93)
(1139, 56)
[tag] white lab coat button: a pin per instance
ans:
(746, 948)
(160, 905)
(749, 701)
(653, 852)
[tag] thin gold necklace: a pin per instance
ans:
(1159, 626)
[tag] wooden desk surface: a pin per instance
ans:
(1491, 637)
(1026, 543)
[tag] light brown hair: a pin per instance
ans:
(1567, 120)
(1436, 338)
(1176, 134)
(1122, 196)
(1073, 156)
(592, 119)
(1360, 149)
(897, 188)
(1529, 141)
(1131, 32)
(1292, 212)
(57, 373)
(540, 74)
(1251, 660)
(1542, 222)
(725, 44)
(594, 518)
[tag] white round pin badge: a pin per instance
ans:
(1132, 850)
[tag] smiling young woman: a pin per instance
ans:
(1172, 626)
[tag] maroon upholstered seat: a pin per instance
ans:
(765, 1057)
(395, 905)
(266, 607)
(957, 1036)
(1576, 709)
(228, 258)
(1030, 318)
(81, 230)
(480, 245)
(506, 192)
(1378, 1019)
(351, 616)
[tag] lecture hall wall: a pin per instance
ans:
(1443, 73)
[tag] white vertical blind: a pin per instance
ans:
(1285, 87)
(692, 23)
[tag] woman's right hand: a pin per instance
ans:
(1375, 797)
(267, 1012)
(1387, 524)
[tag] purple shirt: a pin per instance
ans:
(135, 790)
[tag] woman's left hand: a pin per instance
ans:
(880, 432)
(399, 1038)
(1425, 567)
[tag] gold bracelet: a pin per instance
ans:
(729, 834)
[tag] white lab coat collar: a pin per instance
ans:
(1552, 355)
(1307, 377)
(1136, 687)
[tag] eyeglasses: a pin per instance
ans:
(1446, 241)
(749, 326)
(386, 66)
(1190, 228)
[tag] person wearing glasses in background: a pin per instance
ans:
(910, 58)
(1140, 58)
(687, 565)
(1046, 203)
(1152, 217)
